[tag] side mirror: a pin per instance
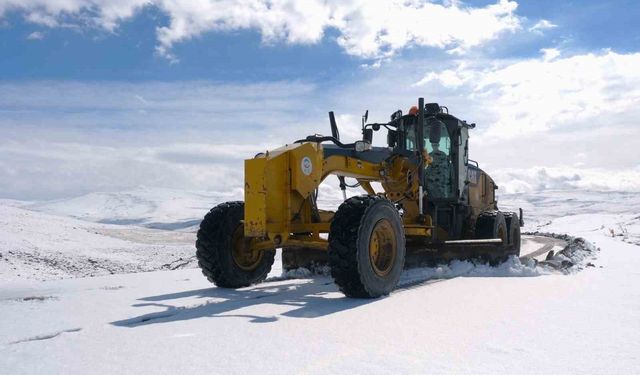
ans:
(367, 135)
(334, 127)
(434, 131)
(392, 138)
(365, 117)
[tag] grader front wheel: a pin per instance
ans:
(224, 253)
(366, 247)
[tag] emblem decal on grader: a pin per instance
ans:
(307, 167)
(436, 205)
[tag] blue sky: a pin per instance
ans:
(127, 52)
(171, 91)
(130, 54)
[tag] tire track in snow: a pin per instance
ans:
(47, 336)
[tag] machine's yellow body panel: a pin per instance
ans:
(305, 166)
(279, 185)
(255, 197)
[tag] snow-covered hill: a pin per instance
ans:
(149, 207)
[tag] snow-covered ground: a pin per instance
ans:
(459, 318)
(35, 245)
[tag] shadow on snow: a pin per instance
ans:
(311, 299)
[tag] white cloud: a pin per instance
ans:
(45, 169)
(36, 35)
(532, 115)
(543, 121)
(381, 28)
(192, 135)
(529, 112)
(106, 14)
(549, 54)
(542, 25)
(365, 29)
(535, 95)
(448, 78)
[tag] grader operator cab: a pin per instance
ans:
(436, 204)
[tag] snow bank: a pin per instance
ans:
(513, 267)
(297, 273)
(575, 256)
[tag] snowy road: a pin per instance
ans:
(539, 246)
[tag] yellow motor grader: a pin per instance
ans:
(435, 204)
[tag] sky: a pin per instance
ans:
(111, 95)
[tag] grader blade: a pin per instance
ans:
(485, 250)
(297, 257)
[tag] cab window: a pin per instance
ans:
(445, 142)
(410, 138)
(439, 172)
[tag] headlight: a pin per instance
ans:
(362, 146)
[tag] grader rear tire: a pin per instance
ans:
(513, 228)
(492, 224)
(366, 247)
(222, 249)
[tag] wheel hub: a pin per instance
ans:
(382, 247)
(241, 251)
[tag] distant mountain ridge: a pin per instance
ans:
(148, 207)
